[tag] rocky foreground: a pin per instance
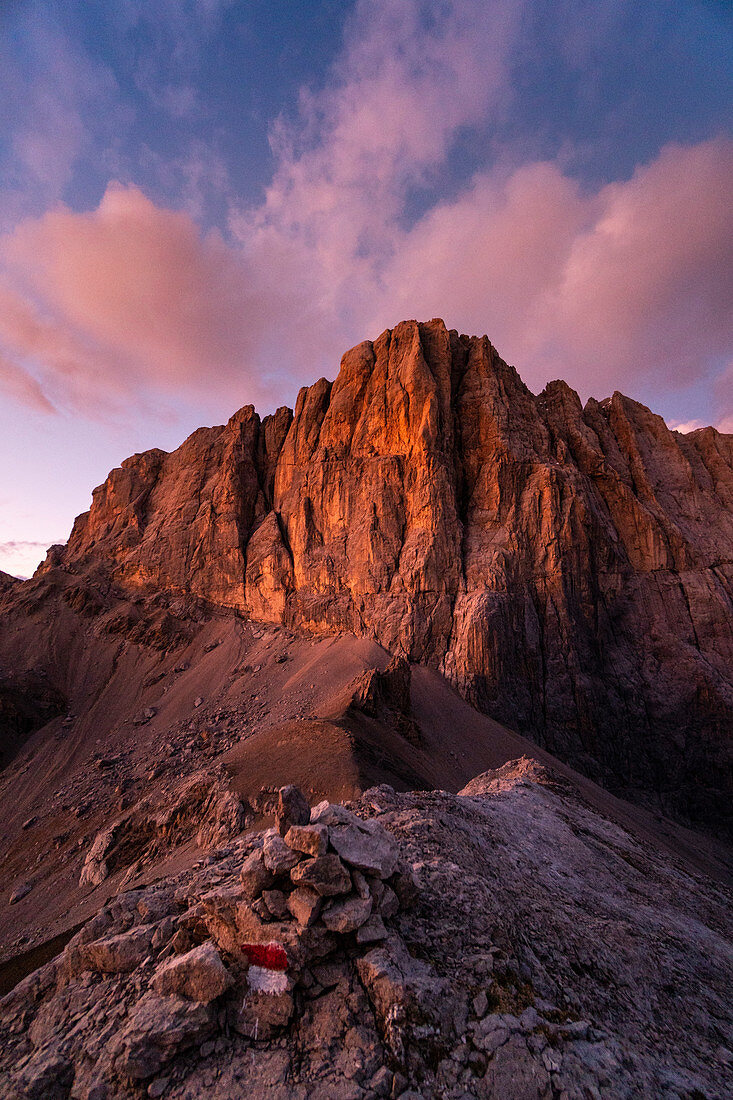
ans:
(505, 942)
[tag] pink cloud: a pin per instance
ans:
(622, 287)
(132, 297)
(610, 289)
(648, 287)
(491, 253)
(686, 426)
(135, 279)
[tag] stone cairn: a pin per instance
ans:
(320, 880)
(226, 949)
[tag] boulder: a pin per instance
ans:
(372, 931)
(292, 809)
(199, 975)
(312, 840)
(276, 903)
(401, 986)
(156, 904)
(389, 904)
(96, 866)
(157, 1029)
(331, 813)
(326, 874)
(118, 954)
(374, 852)
(255, 876)
(261, 1015)
(512, 1071)
(278, 857)
(347, 915)
(305, 905)
(46, 1076)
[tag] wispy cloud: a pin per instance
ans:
(20, 544)
(617, 284)
(49, 101)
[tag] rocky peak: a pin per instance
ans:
(569, 568)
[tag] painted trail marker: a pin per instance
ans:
(268, 967)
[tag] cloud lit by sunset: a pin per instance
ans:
(205, 204)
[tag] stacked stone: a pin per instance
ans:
(324, 866)
(188, 963)
(320, 880)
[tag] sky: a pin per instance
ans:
(204, 203)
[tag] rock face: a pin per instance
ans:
(519, 969)
(569, 568)
(26, 703)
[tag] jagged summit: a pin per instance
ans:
(568, 567)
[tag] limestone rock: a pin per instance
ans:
(326, 874)
(199, 975)
(19, 893)
(330, 813)
(261, 1015)
(292, 809)
(226, 818)
(96, 867)
(346, 915)
(372, 931)
(255, 876)
(522, 971)
(389, 903)
(305, 905)
(276, 903)
(373, 852)
(120, 953)
(312, 840)
(406, 888)
(46, 1076)
(158, 1028)
(278, 857)
(386, 696)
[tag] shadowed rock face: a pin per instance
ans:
(569, 568)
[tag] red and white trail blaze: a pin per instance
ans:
(268, 967)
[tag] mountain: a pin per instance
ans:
(300, 737)
(568, 568)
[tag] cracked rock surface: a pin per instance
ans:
(522, 946)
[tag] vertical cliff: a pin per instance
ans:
(569, 568)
